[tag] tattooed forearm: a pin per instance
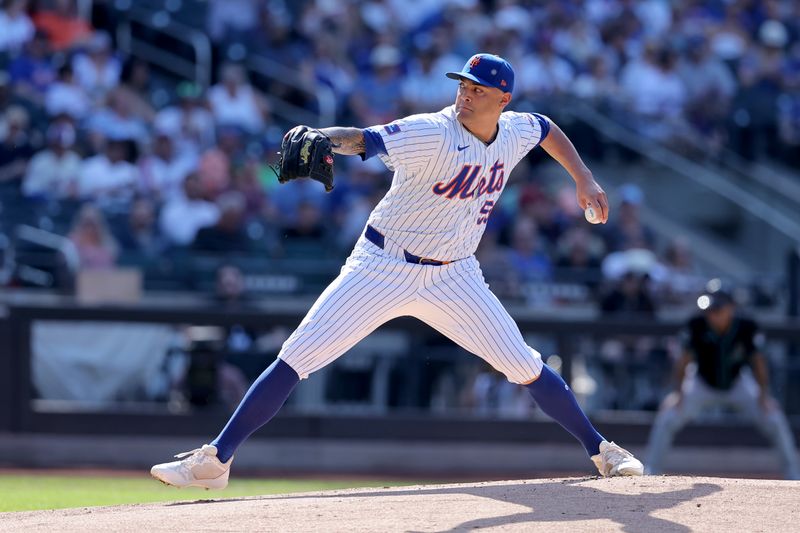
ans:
(347, 141)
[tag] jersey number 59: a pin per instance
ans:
(486, 210)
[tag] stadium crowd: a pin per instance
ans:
(130, 163)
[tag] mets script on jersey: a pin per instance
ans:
(435, 158)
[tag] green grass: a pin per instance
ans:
(35, 492)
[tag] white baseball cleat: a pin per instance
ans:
(197, 468)
(614, 460)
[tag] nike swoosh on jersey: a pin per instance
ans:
(460, 148)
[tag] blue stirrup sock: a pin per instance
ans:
(555, 398)
(264, 398)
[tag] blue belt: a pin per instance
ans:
(376, 237)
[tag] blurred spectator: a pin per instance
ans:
(97, 70)
(580, 42)
(8, 97)
(66, 96)
(637, 260)
(31, 71)
(246, 180)
(535, 204)
(234, 102)
(63, 26)
(216, 164)
(654, 15)
(528, 256)
(354, 198)
(730, 39)
(118, 119)
(229, 286)
(214, 170)
(491, 393)
(709, 89)
(185, 214)
(497, 265)
(578, 256)
(705, 77)
(629, 364)
(424, 87)
(16, 146)
(135, 86)
(599, 85)
(377, 95)
(246, 354)
(275, 38)
(774, 36)
(94, 242)
(229, 233)
(226, 18)
(543, 73)
(110, 177)
(376, 17)
(289, 196)
(16, 27)
(162, 172)
(307, 225)
(630, 295)
(473, 25)
(753, 112)
(511, 18)
(411, 13)
(54, 172)
(626, 229)
(353, 218)
(740, 68)
(789, 125)
(332, 69)
(189, 123)
(683, 278)
(655, 93)
(140, 233)
(306, 236)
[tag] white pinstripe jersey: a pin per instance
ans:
(446, 181)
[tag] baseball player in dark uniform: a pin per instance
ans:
(722, 365)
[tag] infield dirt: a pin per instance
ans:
(572, 505)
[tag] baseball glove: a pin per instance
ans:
(306, 153)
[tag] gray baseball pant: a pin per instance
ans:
(743, 396)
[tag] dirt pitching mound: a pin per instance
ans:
(646, 504)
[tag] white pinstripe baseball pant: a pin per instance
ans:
(376, 285)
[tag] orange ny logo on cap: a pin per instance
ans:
(474, 61)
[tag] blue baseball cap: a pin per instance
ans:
(489, 70)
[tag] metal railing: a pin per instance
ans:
(762, 210)
(778, 184)
(19, 410)
(7, 265)
(714, 255)
(198, 69)
(324, 96)
(51, 241)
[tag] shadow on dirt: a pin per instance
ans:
(561, 501)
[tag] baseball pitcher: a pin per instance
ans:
(416, 257)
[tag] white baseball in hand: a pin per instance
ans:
(591, 215)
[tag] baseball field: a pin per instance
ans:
(646, 504)
(23, 491)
